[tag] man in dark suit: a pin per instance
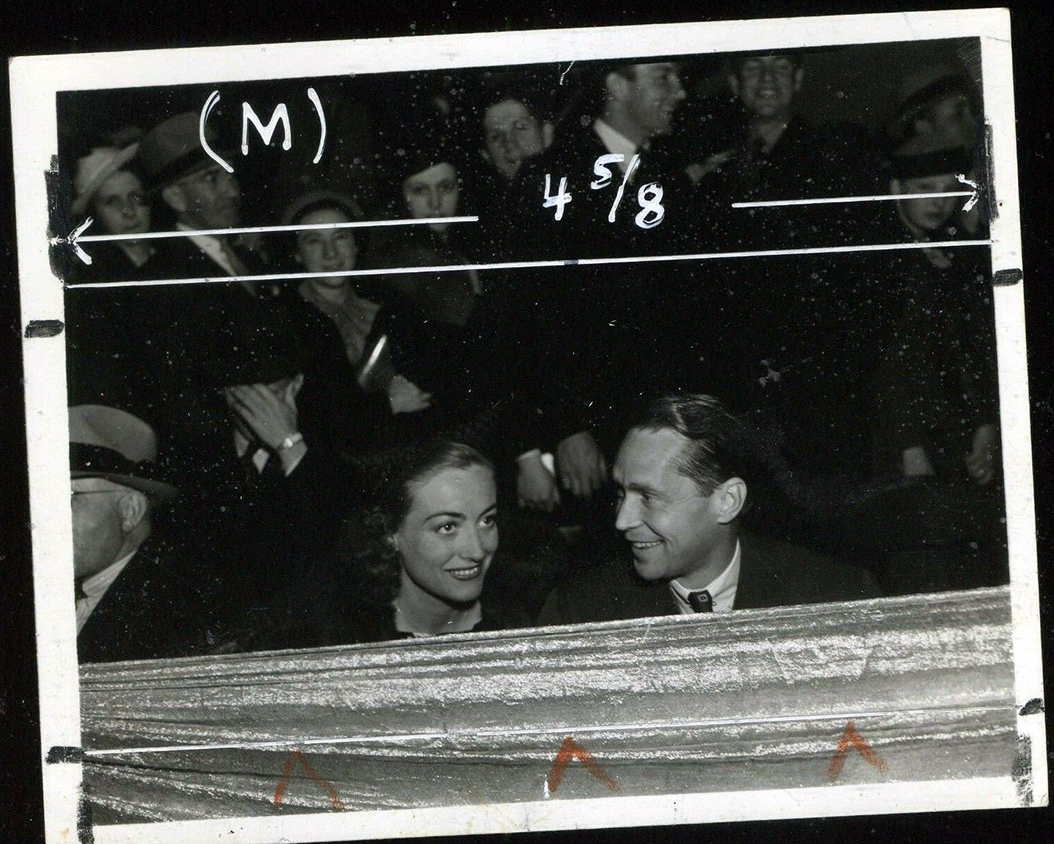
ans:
(680, 497)
(138, 595)
(203, 197)
(604, 323)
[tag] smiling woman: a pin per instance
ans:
(432, 538)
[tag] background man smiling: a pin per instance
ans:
(681, 495)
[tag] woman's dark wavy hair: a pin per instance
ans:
(370, 532)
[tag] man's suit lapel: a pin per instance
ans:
(645, 599)
(760, 585)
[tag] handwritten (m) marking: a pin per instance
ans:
(287, 772)
(851, 738)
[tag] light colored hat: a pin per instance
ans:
(115, 445)
(94, 169)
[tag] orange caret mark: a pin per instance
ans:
(852, 738)
(569, 750)
(287, 772)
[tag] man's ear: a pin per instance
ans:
(799, 75)
(896, 186)
(733, 84)
(174, 198)
(131, 506)
(485, 155)
(548, 130)
(731, 497)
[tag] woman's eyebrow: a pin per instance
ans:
(449, 514)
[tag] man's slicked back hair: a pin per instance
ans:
(714, 451)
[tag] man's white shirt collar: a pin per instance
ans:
(95, 587)
(722, 588)
(211, 246)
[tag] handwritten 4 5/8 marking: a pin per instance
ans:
(649, 197)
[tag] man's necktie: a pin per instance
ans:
(701, 601)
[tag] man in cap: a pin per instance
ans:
(138, 595)
(681, 495)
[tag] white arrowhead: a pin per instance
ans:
(71, 239)
(972, 201)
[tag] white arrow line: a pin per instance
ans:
(525, 265)
(75, 237)
(976, 191)
(776, 203)
(886, 197)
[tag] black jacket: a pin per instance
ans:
(772, 574)
(166, 602)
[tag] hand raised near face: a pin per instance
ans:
(268, 416)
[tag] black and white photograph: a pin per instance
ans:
(530, 430)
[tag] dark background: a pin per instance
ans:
(77, 26)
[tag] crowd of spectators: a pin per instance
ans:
(331, 434)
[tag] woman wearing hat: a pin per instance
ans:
(935, 411)
(110, 190)
(431, 311)
(107, 338)
(354, 316)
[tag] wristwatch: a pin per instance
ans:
(290, 441)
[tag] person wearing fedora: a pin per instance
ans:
(203, 196)
(138, 595)
(186, 320)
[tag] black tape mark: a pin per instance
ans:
(993, 204)
(1021, 770)
(570, 262)
(64, 754)
(84, 821)
(1033, 707)
(1005, 278)
(60, 198)
(44, 327)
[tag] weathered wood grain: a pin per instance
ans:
(750, 700)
